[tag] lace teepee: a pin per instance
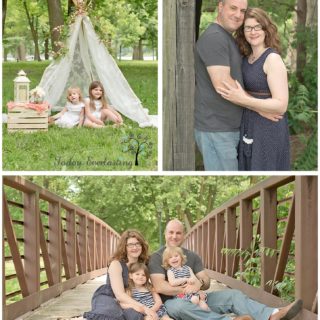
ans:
(87, 60)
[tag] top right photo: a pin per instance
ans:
(240, 85)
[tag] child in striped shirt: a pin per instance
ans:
(179, 274)
(141, 290)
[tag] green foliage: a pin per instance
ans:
(252, 260)
(83, 148)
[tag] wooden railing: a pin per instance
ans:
(50, 245)
(287, 224)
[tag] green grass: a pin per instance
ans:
(83, 148)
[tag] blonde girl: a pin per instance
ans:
(97, 110)
(179, 273)
(73, 112)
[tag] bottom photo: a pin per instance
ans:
(160, 247)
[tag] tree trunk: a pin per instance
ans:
(33, 22)
(55, 20)
(137, 51)
(4, 14)
(301, 30)
(21, 52)
(46, 49)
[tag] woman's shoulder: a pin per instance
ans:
(274, 61)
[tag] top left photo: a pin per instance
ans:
(79, 85)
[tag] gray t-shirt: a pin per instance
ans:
(216, 47)
(155, 265)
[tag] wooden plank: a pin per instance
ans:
(285, 246)
(45, 254)
(211, 240)
(54, 244)
(13, 244)
(306, 236)
(82, 238)
(268, 209)
(27, 126)
(231, 237)
(219, 239)
(169, 82)
(32, 241)
(71, 242)
(246, 231)
(183, 140)
(28, 121)
(64, 255)
(205, 244)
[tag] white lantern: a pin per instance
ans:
(21, 88)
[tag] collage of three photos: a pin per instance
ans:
(159, 159)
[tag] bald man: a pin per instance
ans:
(220, 302)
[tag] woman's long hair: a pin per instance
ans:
(270, 29)
(121, 251)
(93, 85)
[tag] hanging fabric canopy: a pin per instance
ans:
(87, 60)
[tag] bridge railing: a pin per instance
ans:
(283, 212)
(49, 245)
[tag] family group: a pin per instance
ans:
(169, 284)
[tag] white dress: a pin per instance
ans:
(98, 106)
(71, 117)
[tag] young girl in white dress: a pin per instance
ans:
(179, 273)
(141, 290)
(73, 112)
(97, 110)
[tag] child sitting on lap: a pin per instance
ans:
(73, 112)
(179, 274)
(97, 111)
(140, 289)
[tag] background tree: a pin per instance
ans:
(55, 22)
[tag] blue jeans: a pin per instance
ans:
(220, 302)
(219, 150)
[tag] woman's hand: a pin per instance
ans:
(235, 95)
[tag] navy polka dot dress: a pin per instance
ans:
(264, 144)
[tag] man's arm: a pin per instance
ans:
(220, 74)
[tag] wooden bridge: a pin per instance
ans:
(51, 245)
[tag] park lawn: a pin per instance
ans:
(82, 148)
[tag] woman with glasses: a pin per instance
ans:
(132, 248)
(264, 144)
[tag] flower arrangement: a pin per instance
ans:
(37, 95)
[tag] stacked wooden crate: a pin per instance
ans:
(23, 118)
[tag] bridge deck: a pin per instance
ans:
(73, 303)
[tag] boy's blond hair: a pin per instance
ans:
(168, 253)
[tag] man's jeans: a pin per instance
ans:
(220, 302)
(219, 150)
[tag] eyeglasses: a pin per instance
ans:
(258, 27)
(134, 245)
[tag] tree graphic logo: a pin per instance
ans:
(138, 145)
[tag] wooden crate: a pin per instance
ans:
(27, 120)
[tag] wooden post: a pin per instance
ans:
(246, 231)
(306, 236)
(82, 236)
(211, 238)
(32, 241)
(179, 83)
(71, 241)
(268, 235)
(219, 239)
(230, 237)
